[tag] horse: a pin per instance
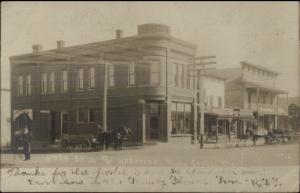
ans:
(118, 135)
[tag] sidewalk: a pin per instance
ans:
(235, 143)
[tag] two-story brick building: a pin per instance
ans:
(149, 87)
(252, 88)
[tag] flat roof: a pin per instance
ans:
(129, 46)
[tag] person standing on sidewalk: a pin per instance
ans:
(27, 138)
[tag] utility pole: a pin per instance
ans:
(200, 66)
(105, 97)
(104, 107)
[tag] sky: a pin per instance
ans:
(263, 33)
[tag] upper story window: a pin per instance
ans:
(189, 78)
(155, 73)
(111, 76)
(44, 83)
(51, 82)
(249, 96)
(264, 99)
(272, 99)
(220, 101)
(28, 85)
(92, 78)
(80, 79)
(205, 97)
(91, 115)
(211, 100)
(80, 116)
(146, 74)
(131, 74)
(20, 85)
(64, 81)
(179, 75)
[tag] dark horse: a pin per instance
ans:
(115, 137)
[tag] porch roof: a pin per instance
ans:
(262, 87)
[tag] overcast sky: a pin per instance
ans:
(264, 33)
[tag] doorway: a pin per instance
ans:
(154, 126)
(153, 121)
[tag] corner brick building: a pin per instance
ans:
(150, 89)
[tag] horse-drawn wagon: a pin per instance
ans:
(77, 142)
(90, 142)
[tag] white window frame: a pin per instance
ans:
(52, 82)
(64, 81)
(28, 85)
(131, 74)
(80, 77)
(91, 77)
(154, 72)
(111, 75)
(44, 83)
(20, 86)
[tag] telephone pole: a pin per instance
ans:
(200, 64)
(105, 82)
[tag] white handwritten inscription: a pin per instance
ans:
(150, 179)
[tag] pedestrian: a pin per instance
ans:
(27, 138)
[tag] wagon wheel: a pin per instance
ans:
(86, 145)
(65, 145)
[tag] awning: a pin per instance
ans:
(236, 114)
(17, 113)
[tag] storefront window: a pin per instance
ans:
(181, 118)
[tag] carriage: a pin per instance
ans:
(90, 142)
(77, 142)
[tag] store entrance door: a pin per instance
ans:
(153, 121)
(154, 126)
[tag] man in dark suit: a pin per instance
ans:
(27, 138)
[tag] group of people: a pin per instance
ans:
(112, 136)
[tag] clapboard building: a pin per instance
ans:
(252, 90)
(149, 87)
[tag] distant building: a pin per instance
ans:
(253, 88)
(225, 121)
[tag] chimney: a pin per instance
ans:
(36, 48)
(60, 44)
(119, 33)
